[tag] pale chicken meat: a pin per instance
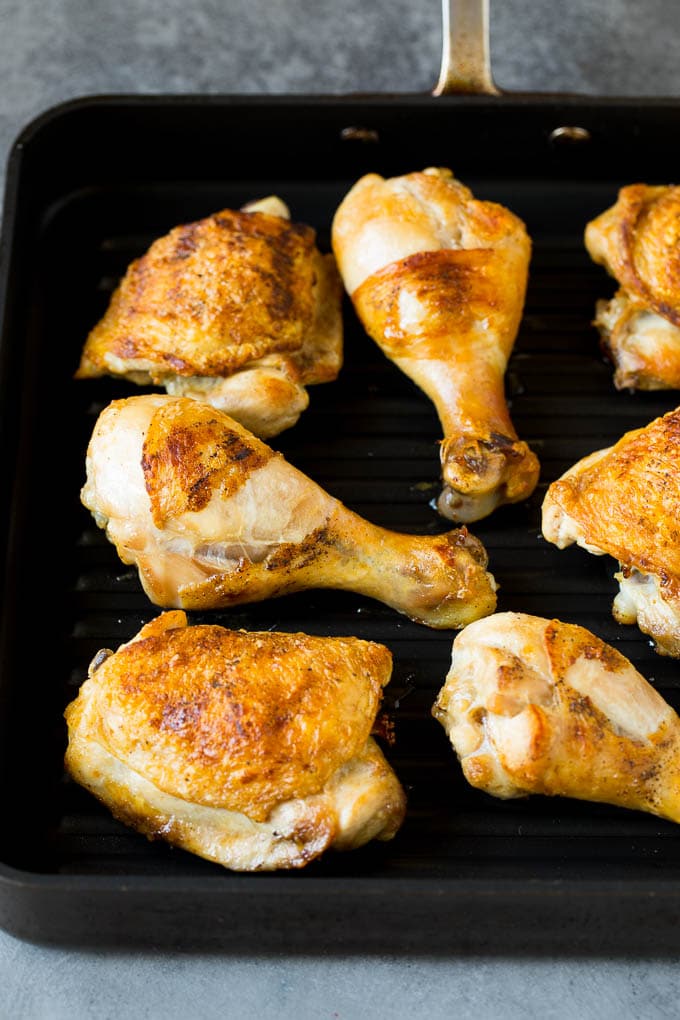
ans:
(239, 310)
(625, 501)
(211, 516)
(637, 240)
(438, 280)
(539, 706)
(253, 750)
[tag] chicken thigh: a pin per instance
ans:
(438, 280)
(239, 310)
(540, 706)
(638, 243)
(249, 749)
(625, 501)
(212, 517)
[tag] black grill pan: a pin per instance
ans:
(89, 186)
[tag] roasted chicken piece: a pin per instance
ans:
(212, 516)
(625, 501)
(252, 750)
(540, 706)
(638, 243)
(438, 280)
(239, 310)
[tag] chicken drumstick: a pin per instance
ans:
(539, 706)
(212, 517)
(438, 280)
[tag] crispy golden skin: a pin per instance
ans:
(252, 749)
(239, 309)
(212, 517)
(539, 706)
(638, 242)
(438, 280)
(188, 455)
(625, 501)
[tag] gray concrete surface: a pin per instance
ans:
(57, 985)
(52, 50)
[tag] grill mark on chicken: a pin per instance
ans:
(297, 555)
(184, 462)
(178, 365)
(453, 288)
(126, 347)
(565, 646)
(187, 241)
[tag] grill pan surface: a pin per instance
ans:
(90, 185)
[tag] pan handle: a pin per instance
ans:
(466, 66)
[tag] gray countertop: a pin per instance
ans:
(51, 50)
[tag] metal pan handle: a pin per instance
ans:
(466, 65)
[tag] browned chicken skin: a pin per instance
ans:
(637, 240)
(249, 749)
(239, 310)
(625, 501)
(438, 280)
(539, 706)
(212, 517)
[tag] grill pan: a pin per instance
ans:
(90, 184)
